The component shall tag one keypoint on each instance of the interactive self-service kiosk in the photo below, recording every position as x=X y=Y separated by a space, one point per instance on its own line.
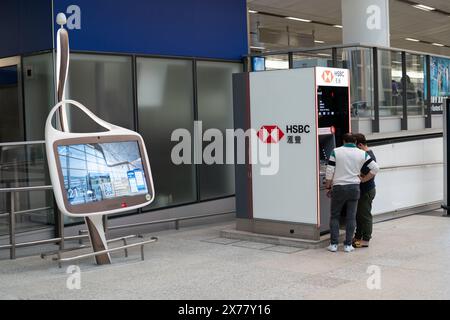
x=299 y=116
x=94 y=174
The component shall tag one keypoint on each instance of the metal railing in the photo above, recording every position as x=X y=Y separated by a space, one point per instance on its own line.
x=13 y=245
x=176 y=221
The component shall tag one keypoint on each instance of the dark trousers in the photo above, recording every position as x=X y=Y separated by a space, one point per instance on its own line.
x=347 y=195
x=364 y=220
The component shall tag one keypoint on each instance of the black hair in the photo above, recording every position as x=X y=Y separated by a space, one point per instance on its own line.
x=360 y=139
x=348 y=138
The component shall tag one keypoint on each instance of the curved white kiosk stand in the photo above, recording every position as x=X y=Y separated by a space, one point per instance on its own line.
x=94 y=174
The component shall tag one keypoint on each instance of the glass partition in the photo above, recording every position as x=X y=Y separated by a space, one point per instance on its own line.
x=277 y=62
x=320 y=58
x=360 y=63
x=25 y=166
x=165 y=103
x=415 y=81
x=39 y=93
x=215 y=110
x=11 y=119
x=104 y=84
x=390 y=83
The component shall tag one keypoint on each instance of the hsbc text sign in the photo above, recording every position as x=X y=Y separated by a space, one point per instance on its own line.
x=273 y=134
x=332 y=77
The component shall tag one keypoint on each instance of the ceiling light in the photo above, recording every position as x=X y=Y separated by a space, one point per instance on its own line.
x=411 y=39
x=438 y=44
x=319 y=41
x=324 y=54
x=423 y=7
x=298 y=19
x=257 y=48
x=252 y=11
x=338 y=26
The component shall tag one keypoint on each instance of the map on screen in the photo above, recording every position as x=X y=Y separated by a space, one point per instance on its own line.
x=100 y=171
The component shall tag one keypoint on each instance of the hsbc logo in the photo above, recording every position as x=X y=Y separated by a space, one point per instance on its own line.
x=328 y=76
x=270 y=134
x=332 y=77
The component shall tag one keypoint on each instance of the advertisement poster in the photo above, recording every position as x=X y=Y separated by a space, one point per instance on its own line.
x=440 y=87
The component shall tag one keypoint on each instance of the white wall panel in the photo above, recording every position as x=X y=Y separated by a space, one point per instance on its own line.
x=418 y=180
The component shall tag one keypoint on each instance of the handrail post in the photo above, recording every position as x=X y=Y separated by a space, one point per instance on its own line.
x=12 y=226
x=60 y=228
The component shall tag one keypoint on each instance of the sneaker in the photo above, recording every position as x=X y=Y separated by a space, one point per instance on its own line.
x=349 y=249
x=333 y=248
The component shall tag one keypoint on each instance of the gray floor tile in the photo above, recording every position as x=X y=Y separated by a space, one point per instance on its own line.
x=223 y=241
x=284 y=249
x=253 y=245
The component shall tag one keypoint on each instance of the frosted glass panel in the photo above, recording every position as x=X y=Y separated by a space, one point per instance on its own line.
x=104 y=84
x=215 y=110
x=39 y=95
x=165 y=103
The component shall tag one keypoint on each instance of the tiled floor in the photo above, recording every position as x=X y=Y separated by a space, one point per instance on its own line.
x=412 y=256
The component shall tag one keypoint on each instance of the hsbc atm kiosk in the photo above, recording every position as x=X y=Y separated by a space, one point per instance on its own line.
x=302 y=113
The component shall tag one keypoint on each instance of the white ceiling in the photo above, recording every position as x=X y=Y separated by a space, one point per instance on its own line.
x=406 y=21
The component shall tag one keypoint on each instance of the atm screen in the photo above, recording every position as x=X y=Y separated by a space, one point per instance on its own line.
x=101 y=171
x=333 y=109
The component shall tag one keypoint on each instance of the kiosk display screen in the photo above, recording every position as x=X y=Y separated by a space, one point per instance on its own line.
x=96 y=172
x=333 y=110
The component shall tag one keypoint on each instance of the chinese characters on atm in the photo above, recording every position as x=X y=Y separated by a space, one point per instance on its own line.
x=271 y=134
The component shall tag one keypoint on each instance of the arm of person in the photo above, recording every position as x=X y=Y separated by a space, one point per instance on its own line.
x=369 y=170
x=367 y=177
x=331 y=168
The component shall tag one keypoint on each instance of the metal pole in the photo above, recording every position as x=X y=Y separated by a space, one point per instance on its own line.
x=376 y=94
x=428 y=117
x=12 y=227
x=60 y=227
x=405 y=83
x=446 y=110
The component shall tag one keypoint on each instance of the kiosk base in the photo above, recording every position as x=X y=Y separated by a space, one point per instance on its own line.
x=278 y=240
x=97 y=235
x=278 y=228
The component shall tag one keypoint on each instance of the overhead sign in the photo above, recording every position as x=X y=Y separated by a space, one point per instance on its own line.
x=332 y=77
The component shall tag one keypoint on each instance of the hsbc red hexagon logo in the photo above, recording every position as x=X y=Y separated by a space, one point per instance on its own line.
x=328 y=76
x=270 y=134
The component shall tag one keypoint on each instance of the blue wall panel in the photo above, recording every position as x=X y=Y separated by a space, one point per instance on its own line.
x=25 y=26
x=200 y=28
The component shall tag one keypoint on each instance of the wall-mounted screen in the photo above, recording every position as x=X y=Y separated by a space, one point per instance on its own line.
x=94 y=172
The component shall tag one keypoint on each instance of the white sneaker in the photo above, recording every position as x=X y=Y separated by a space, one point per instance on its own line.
x=349 y=249
x=333 y=248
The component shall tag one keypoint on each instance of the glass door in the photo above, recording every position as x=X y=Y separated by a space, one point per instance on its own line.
x=11 y=107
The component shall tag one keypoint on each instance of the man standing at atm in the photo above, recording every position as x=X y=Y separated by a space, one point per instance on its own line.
x=343 y=179
x=364 y=218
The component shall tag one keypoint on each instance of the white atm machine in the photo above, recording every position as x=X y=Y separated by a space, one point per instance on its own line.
x=301 y=114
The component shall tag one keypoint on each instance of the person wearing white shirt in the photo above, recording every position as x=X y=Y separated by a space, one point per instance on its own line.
x=343 y=178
